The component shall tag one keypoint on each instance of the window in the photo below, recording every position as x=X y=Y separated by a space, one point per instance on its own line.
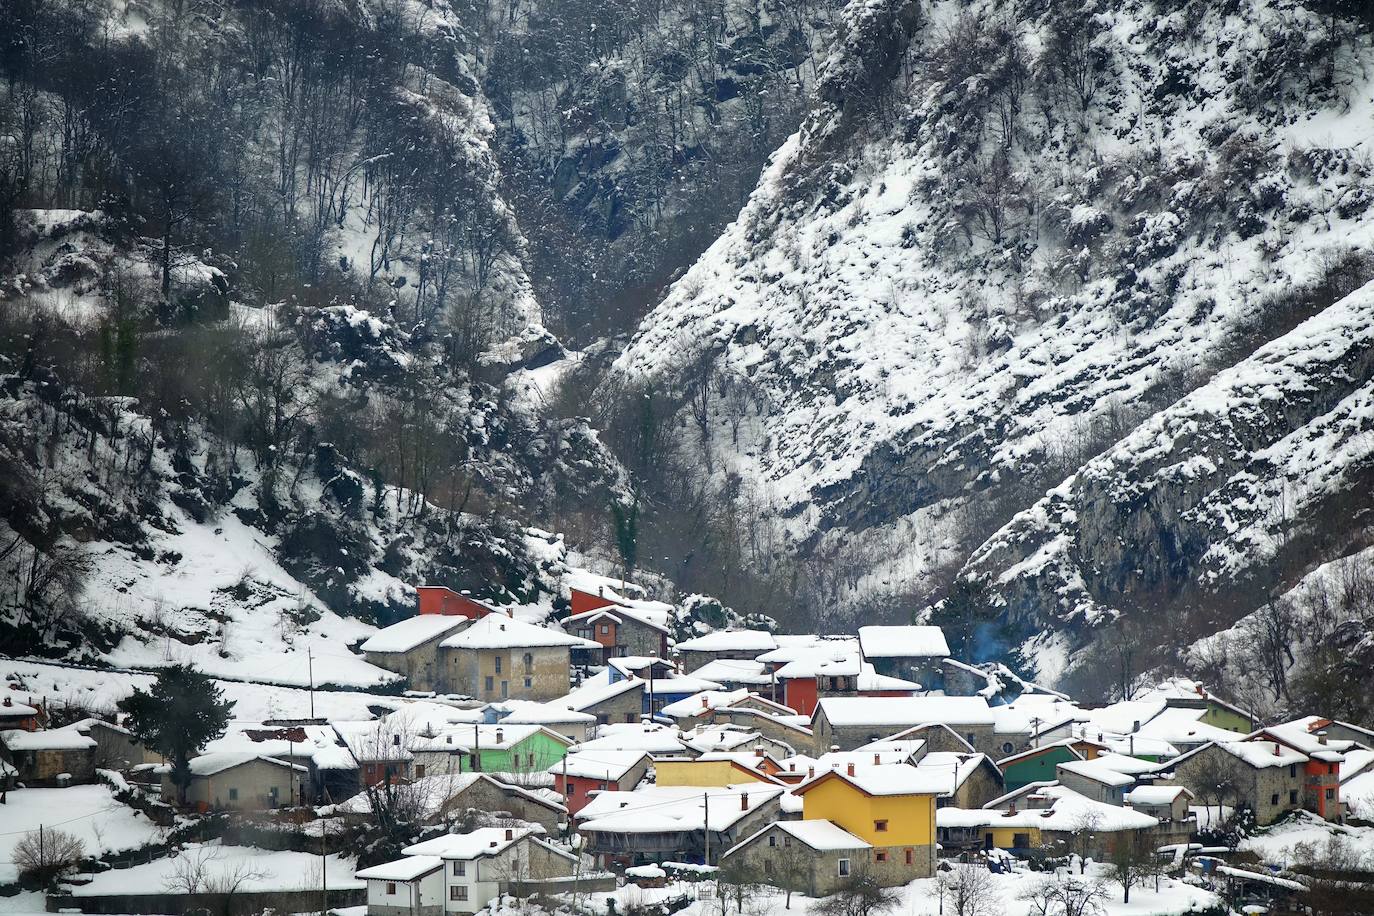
x=630 y=717
x=911 y=857
x=572 y=789
x=460 y=869
x=768 y=867
x=1008 y=747
x=787 y=842
x=498 y=664
x=605 y=629
x=419 y=771
x=391 y=888
x=458 y=892
x=1020 y=841
x=1292 y=769
x=529 y=682
x=233 y=794
x=879 y=856
x=1330 y=794
x=1274 y=799
x=969 y=737
x=529 y=662
x=880 y=826
x=1293 y=797
x=491 y=683
x=529 y=760
x=505 y=689
x=843 y=868
x=773 y=840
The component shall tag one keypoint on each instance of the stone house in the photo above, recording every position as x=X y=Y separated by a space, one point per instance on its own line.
x=618 y=702
x=498 y=658
x=115 y=746
x=736 y=644
x=410 y=648
x=435 y=799
x=674 y=823
x=238 y=782
x=936 y=738
x=1094 y=779
x=813 y=857
x=571 y=724
x=476 y=868
x=911 y=652
x=970 y=780
x=620 y=631
x=49 y=756
x=1168 y=805
x=848 y=722
x=1044 y=819
x=1264 y=776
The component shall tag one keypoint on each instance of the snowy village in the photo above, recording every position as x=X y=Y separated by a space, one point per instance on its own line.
x=593 y=765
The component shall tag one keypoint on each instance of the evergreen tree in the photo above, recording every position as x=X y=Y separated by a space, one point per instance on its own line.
x=182 y=713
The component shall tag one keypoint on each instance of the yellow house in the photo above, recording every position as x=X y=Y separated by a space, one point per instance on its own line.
x=890 y=806
x=723 y=769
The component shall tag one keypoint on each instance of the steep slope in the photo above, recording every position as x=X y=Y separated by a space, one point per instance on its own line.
x=1004 y=236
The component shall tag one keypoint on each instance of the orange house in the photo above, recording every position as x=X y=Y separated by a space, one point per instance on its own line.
x=436 y=599
x=800 y=694
x=18 y=715
x=582 y=602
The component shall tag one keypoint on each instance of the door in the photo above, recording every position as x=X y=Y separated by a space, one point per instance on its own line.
x=505 y=689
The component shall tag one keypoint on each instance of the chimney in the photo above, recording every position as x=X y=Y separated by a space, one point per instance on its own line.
x=743 y=802
x=850 y=769
x=510 y=834
x=1276 y=749
x=1011 y=809
x=1135 y=726
x=8 y=701
x=1321 y=737
x=492 y=844
x=396 y=740
x=503 y=627
x=810 y=772
x=877 y=758
x=448 y=739
x=704 y=702
x=792 y=767
x=499 y=735
x=834 y=748
x=758 y=750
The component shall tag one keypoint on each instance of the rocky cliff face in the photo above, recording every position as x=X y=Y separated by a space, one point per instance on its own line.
x=1032 y=231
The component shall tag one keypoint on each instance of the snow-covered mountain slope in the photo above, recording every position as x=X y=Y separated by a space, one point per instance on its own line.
x=1214 y=500
x=1003 y=238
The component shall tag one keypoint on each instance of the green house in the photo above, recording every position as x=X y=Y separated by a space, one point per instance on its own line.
x=1036 y=765
x=514 y=749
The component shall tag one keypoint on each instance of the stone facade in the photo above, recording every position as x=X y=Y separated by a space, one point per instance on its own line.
x=250 y=786
x=1270 y=792
x=847 y=737
x=625 y=706
x=528 y=673
x=776 y=857
x=420 y=665
x=490 y=797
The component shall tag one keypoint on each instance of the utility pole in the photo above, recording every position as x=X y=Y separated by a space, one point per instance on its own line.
x=706 y=823
x=324 y=870
x=310 y=668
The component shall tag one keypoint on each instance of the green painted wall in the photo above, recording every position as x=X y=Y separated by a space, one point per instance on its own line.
x=535 y=754
x=1039 y=768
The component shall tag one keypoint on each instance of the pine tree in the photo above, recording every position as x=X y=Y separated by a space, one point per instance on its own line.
x=182 y=713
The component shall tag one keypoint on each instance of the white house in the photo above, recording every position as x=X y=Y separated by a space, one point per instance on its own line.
x=474 y=868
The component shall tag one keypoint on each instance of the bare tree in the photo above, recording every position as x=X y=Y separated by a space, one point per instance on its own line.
x=1133 y=860
x=1066 y=896
x=862 y=895
x=969 y=890
x=47 y=855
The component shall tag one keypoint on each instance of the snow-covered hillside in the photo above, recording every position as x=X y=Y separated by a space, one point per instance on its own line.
x=1001 y=241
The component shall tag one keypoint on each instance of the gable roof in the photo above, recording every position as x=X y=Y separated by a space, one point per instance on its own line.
x=406 y=868
x=609 y=765
x=820 y=835
x=412 y=632
x=475 y=844
x=1099 y=773
x=903 y=642
x=884 y=779
x=617 y=612
x=1066 y=745
x=51 y=739
x=730 y=641
x=496 y=631
x=210 y=764
x=1256 y=754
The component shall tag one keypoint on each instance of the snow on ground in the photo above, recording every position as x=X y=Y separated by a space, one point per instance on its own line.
x=99 y=690
x=1276 y=844
x=919 y=898
x=259 y=869
x=89 y=813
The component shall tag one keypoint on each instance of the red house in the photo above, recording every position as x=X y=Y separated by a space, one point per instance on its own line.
x=581 y=774
x=619 y=628
x=436 y=599
x=18 y=715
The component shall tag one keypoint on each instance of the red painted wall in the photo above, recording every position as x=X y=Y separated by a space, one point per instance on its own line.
x=576 y=790
x=800 y=694
x=582 y=602
x=436 y=599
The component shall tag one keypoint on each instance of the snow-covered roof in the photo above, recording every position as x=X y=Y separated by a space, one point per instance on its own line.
x=703 y=702
x=55 y=739
x=730 y=641
x=820 y=835
x=885 y=779
x=1356 y=761
x=595 y=764
x=1155 y=795
x=431 y=793
x=1097 y=772
x=617 y=612
x=320 y=743
x=793 y=648
x=1258 y=754
x=734 y=671
x=530 y=712
x=496 y=631
x=1181 y=725
x=465 y=738
x=16 y=710
x=667 y=809
x=952 y=767
x=1306 y=735
x=1122 y=763
x=411 y=632
x=1065 y=810
x=483 y=841
x=372 y=740
x=210 y=764
x=1067 y=744
x=407 y=868
x=633 y=736
x=595 y=690
x=903 y=642
x=905 y=711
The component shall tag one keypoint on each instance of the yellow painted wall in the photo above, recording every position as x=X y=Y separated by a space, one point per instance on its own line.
x=910 y=818
x=701 y=773
x=1005 y=837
